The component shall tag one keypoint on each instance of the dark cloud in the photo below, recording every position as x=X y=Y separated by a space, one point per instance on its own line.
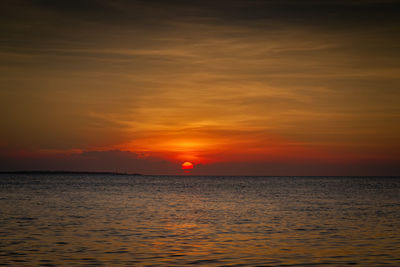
x=109 y=161
x=66 y=24
x=75 y=6
x=338 y=11
x=298 y=169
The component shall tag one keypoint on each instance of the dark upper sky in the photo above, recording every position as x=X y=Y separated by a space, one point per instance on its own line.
x=37 y=22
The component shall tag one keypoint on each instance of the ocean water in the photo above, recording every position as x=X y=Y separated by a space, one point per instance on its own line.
x=122 y=220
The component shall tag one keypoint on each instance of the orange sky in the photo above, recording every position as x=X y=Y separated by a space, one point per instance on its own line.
x=307 y=86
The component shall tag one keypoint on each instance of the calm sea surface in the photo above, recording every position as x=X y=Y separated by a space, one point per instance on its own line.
x=83 y=220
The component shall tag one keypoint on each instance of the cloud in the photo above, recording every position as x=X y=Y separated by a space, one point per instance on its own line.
x=98 y=161
x=297 y=169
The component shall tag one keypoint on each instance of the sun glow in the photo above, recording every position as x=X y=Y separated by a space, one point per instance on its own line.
x=175 y=148
x=186 y=145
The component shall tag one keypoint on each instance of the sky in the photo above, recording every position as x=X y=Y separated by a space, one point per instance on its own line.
x=240 y=87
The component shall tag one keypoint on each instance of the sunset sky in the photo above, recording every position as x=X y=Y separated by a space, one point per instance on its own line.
x=236 y=87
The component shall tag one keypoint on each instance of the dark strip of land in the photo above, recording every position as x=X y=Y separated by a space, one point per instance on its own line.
x=68 y=172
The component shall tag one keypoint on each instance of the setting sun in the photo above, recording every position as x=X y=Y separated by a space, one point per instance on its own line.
x=187 y=165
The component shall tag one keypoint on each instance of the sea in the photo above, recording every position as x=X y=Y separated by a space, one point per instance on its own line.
x=134 y=220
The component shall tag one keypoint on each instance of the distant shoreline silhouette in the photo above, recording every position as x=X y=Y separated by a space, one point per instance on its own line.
x=68 y=172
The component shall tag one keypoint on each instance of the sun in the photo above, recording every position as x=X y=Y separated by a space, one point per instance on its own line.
x=187 y=165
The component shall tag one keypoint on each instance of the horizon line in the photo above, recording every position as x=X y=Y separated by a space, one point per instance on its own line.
x=184 y=175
